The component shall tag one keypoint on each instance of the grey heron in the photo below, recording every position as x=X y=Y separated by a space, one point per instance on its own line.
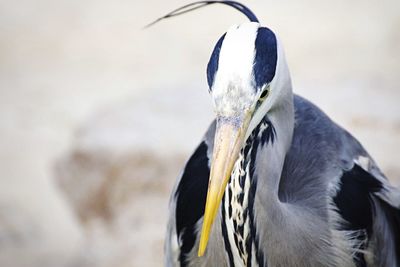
x=275 y=182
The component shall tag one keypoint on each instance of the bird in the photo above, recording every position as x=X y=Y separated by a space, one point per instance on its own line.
x=274 y=181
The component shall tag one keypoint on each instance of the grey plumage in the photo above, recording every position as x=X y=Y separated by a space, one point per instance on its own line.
x=319 y=154
x=301 y=190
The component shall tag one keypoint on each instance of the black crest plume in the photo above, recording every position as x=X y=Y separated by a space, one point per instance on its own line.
x=199 y=4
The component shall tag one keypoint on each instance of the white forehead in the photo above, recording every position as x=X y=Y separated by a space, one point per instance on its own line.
x=234 y=75
x=237 y=52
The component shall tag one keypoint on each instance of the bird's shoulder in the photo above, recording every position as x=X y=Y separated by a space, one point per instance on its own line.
x=322 y=151
x=188 y=199
x=326 y=160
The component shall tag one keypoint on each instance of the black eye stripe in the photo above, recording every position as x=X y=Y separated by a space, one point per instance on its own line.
x=265 y=57
x=212 y=66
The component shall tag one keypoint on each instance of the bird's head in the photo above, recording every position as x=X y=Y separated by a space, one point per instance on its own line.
x=245 y=82
x=241 y=74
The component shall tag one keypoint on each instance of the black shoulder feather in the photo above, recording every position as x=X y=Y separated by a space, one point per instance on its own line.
x=191 y=197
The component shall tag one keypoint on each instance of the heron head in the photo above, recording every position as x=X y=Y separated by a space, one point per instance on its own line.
x=241 y=76
x=241 y=72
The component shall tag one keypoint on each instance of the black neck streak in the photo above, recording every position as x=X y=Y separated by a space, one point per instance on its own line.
x=238 y=215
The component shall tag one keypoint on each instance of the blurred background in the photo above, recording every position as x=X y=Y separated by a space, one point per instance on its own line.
x=97 y=116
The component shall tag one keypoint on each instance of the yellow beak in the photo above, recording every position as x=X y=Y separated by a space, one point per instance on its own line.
x=229 y=138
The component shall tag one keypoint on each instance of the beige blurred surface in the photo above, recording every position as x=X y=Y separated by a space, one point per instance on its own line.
x=97 y=116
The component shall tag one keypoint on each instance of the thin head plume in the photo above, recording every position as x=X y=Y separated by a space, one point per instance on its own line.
x=199 y=4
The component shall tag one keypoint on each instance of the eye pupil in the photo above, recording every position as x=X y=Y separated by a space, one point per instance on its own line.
x=264 y=94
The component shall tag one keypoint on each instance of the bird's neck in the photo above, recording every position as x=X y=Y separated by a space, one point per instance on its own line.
x=262 y=157
x=271 y=156
x=260 y=164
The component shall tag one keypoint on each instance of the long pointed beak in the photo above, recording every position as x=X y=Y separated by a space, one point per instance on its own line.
x=229 y=138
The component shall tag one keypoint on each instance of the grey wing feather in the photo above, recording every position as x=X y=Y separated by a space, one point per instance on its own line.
x=325 y=156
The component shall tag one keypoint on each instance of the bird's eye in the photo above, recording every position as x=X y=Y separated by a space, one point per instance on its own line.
x=264 y=94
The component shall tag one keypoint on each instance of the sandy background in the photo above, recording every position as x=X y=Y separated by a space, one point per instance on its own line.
x=98 y=116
